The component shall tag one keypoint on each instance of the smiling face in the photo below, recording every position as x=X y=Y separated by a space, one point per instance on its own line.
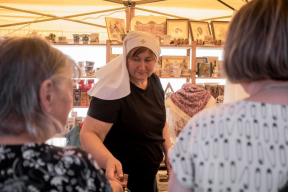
x=140 y=64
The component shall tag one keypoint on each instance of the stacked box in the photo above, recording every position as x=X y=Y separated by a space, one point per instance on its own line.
x=76 y=97
x=162 y=180
x=83 y=101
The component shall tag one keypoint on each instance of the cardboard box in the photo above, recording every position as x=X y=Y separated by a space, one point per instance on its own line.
x=79 y=120
x=71 y=123
x=162 y=180
x=76 y=97
x=83 y=101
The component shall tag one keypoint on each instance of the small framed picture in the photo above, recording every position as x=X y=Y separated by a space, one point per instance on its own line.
x=221 y=89
x=155 y=25
x=208 y=39
x=204 y=69
x=199 y=30
x=212 y=60
x=115 y=27
x=219 y=29
x=212 y=89
x=176 y=64
x=177 y=28
x=214 y=66
x=200 y=60
x=157 y=69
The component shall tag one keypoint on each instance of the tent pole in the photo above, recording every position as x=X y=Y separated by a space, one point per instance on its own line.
x=214 y=18
x=130 y=13
x=226 y=5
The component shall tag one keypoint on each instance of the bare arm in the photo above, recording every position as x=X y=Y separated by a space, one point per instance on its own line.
x=166 y=145
x=174 y=185
x=92 y=136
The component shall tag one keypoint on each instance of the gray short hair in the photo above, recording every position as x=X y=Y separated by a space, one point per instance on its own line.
x=25 y=63
x=257 y=42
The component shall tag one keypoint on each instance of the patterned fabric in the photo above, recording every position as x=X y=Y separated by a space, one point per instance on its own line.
x=241 y=146
x=190 y=98
x=41 y=167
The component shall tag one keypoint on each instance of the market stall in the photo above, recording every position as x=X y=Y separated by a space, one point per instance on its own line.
x=191 y=35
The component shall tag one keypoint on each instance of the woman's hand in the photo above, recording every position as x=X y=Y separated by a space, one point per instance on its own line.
x=114 y=170
x=167 y=163
x=166 y=146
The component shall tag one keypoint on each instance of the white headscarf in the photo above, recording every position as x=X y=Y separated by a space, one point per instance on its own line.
x=114 y=82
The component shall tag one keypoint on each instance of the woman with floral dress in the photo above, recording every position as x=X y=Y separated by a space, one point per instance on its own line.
x=35 y=99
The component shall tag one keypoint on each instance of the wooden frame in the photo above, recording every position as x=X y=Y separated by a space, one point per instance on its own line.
x=214 y=65
x=199 y=30
x=212 y=89
x=155 y=25
x=221 y=90
x=171 y=62
x=200 y=60
x=184 y=61
x=204 y=69
x=115 y=27
x=177 y=28
x=219 y=29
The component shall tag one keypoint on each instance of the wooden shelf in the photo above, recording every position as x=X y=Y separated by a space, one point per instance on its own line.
x=162 y=46
x=174 y=77
x=210 y=78
x=62 y=135
x=176 y=46
x=211 y=46
x=71 y=43
x=87 y=77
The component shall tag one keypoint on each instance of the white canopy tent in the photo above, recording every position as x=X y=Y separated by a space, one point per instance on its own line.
x=30 y=13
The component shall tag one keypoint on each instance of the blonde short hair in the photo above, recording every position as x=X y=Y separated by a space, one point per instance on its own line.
x=25 y=63
x=257 y=42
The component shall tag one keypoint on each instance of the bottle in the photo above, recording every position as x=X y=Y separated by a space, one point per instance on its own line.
x=88 y=87
x=83 y=93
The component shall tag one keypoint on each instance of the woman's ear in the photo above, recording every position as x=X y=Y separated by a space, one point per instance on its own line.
x=46 y=94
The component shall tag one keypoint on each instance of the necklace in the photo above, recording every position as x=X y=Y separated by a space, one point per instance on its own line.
x=275 y=87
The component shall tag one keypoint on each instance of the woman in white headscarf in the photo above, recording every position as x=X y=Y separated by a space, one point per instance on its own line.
x=126 y=129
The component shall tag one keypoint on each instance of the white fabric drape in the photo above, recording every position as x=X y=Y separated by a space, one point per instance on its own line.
x=114 y=82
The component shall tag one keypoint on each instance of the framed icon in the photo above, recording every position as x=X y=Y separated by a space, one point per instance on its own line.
x=199 y=30
x=219 y=29
x=115 y=27
x=177 y=28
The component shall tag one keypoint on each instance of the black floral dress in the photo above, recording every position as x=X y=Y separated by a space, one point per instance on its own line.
x=41 y=167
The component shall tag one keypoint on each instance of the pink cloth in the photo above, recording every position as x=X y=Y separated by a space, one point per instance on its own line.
x=190 y=99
